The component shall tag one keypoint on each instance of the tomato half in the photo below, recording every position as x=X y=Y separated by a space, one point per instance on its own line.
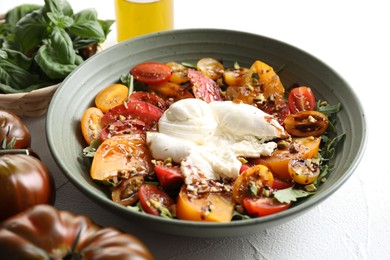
x=210 y=67
x=264 y=206
x=301 y=99
x=16 y=132
x=24 y=182
x=169 y=177
x=179 y=73
x=235 y=77
x=306 y=123
x=251 y=182
x=91 y=126
x=120 y=127
x=151 y=72
x=148 y=98
x=155 y=201
x=111 y=96
x=304 y=171
x=126 y=191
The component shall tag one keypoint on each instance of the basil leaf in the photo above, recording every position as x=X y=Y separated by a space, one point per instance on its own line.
x=86 y=25
x=16 y=58
x=58 y=6
x=30 y=30
x=15 y=14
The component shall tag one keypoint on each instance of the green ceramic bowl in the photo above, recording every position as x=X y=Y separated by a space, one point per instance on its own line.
x=78 y=90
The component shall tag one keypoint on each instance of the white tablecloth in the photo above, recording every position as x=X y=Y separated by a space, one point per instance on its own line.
x=350 y=36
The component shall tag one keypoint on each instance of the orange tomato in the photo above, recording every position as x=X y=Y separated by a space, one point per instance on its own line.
x=170 y=90
x=179 y=73
x=210 y=67
x=306 y=123
x=299 y=148
x=111 y=96
x=251 y=180
x=121 y=156
x=213 y=207
x=91 y=126
x=304 y=171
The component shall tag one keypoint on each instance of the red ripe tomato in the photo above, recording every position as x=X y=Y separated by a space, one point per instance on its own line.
x=301 y=99
x=16 y=132
x=140 y=110
x=151 y=72
x=155 y=201
x=24 y=182
x=279 y=184
x=43 y=232
x=263 y=206
x=119 y=127
x=169 y=177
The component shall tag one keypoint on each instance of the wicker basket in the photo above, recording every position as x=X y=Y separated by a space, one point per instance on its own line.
x=29 y=104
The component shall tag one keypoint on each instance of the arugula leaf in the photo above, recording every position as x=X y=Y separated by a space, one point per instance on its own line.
x=290 y=195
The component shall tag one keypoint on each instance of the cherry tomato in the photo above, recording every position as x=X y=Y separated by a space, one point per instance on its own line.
x=120 y=157
x=304 y=171
x=126 y=191
x=43 y=232
x=251 y=182
x=148 y=98
x=24 y=182
x=169 y=177
x=151 y=72
x=179 y=73
x=154 y=200
x=120 y=127
x=88 y=51
x=263 y=206
x=203 y=87
x=235 y=77
x=91 y=126
x=141 y=110
x=111 y=96
x=306 y=123
x=16 y=132
x=210 y=67
x=301 y=99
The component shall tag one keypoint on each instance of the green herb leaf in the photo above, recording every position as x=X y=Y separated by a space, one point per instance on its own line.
x=290 y=195
x=86 y=25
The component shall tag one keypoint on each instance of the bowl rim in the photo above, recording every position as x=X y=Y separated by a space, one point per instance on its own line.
x=296 y=210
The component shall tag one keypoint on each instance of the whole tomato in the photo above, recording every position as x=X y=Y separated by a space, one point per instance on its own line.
x=24 y=182
x=14 y=130
x=43 y=232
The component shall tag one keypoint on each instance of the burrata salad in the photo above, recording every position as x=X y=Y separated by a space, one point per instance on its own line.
x=207 y=141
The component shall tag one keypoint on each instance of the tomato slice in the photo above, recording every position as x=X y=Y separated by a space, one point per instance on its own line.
x=235 y=77
x=151 y=72
x=155 y=201
x=149 y=98
x=126 y=126
x=264 y=206
x=281 y=184
x=91 y=126
x=170 y=90
x=203 y=87
x=301 y=99
x=141 y=110
x=179 y=73
x=121 y=156
x=169 y=177
x=306 y=123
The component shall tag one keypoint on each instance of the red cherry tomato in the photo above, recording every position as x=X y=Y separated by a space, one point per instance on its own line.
x=151 y=72
x=126 y=126
x=301 y=99
x=169 y=177
x=154 y=200
x=263 y=206
x=279 y=184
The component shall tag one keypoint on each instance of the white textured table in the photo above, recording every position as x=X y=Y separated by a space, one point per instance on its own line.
x=350 y=36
